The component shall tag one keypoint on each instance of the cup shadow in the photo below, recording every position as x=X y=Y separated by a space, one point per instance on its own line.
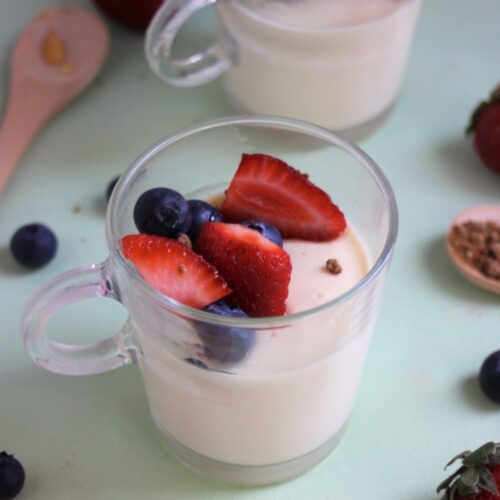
x=442 y=272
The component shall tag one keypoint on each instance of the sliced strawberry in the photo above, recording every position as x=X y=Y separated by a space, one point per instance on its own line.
x=174 y=270
x=257 y=270
x=268 y=189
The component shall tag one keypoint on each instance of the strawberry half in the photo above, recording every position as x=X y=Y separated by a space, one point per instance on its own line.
x=257 y=270
x=268 y=189
x=174 y=270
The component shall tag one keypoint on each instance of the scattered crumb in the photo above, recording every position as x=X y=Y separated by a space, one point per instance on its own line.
x=53 y=49
x=181 y=269
x=142 y=75
x=185 y=240
x=48 y=13
x=333 y=266
x=76 y=209
x=66 y=69
x=305 y=175
x=478 y=244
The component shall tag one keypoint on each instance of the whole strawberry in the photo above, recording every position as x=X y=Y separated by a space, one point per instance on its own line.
x=485 y=125
x=478 y=478
x=134 y=14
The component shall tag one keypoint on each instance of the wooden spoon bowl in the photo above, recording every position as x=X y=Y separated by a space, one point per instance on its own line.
x=54 y=59
x=480 y=213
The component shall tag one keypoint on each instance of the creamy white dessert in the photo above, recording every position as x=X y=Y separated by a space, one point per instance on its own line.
x=335 y=63
x=296 y=387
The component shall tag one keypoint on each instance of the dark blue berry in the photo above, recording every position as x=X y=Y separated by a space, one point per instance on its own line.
x=111 y=186
x=33 y=245
x=197 y=362
x=163 y=212
x=225 y=343
x=12 y=476
x=201 y=213
x=489 y=376
x=267 y=230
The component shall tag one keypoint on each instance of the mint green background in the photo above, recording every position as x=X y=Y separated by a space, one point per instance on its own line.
x=82 y=438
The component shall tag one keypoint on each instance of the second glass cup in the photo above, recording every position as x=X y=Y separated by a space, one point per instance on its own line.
x=335 y=63
x=286 y=405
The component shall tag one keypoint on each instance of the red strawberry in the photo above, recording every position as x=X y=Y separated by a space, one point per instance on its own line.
x=174 y=270
x=255 y=268
x=265 y=188
x=134 y=14
x=485 y=125
x=478 y=478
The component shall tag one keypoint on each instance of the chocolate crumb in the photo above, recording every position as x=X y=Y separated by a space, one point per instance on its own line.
x=76 y=209
x=478 y=244
x=185 y=240
x=333 y=266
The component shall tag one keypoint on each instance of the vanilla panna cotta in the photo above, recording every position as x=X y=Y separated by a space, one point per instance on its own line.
x=334 y=63
x=288 y=411
x=249 y=318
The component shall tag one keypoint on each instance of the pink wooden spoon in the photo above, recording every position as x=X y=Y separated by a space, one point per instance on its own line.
x=54 y=59
x=479 y=213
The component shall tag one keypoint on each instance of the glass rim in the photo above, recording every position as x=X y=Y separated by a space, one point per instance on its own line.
x=112 y=233
x=301 y=29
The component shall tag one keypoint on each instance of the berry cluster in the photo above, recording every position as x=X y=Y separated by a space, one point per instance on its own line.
x=233 y=262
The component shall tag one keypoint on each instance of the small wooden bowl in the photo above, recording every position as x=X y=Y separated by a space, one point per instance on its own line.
x=479 y=213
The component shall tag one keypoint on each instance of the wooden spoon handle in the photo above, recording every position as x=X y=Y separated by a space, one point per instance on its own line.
x=26 y=113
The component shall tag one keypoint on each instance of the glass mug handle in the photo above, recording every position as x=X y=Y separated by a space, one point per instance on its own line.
x=68 y=359
x=191 y=71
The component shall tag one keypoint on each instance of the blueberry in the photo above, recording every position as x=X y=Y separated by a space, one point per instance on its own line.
x=267 y=230
x=225 y=343
x=163 y=212
x=111 y=186
x=11 y=476
x=33 y=245
x=201 y=213
x=489 y=376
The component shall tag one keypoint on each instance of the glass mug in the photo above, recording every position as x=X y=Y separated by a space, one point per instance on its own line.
x=286 y=405
x=335 y=63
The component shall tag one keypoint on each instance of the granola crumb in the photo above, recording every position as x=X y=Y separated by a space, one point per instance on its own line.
x=478 y=244
x=76 y=209
x=185 y=240
x=333 y=266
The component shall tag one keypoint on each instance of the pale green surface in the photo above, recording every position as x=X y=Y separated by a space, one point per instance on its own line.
x=83 y=438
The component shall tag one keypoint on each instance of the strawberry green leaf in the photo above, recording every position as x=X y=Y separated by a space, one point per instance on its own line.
x=470 y=478
x=447 y=482
x=487 y=481
x=481 y=455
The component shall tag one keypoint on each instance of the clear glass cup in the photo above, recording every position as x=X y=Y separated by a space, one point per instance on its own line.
x=284 y=407
x=335 y=63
